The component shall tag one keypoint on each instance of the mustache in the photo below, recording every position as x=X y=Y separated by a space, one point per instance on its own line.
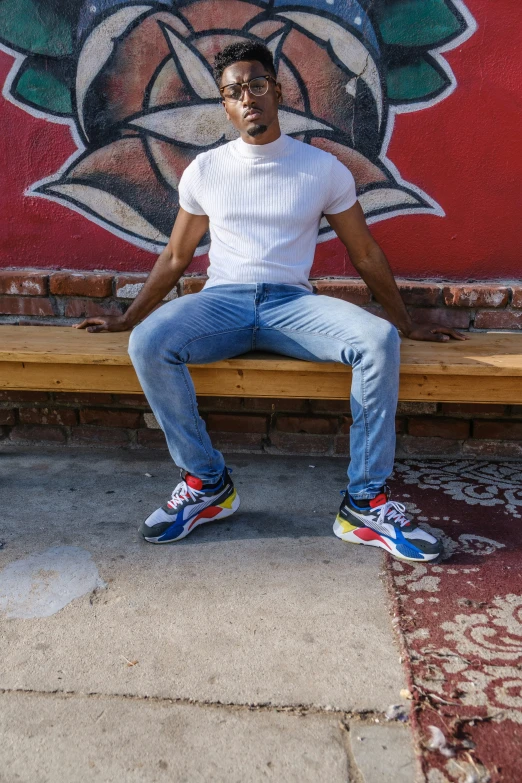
x=250 y=111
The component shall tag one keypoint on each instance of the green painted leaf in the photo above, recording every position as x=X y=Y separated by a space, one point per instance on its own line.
x=43 y=90
x=414 y=81
x=35 y=26
x=417 y=22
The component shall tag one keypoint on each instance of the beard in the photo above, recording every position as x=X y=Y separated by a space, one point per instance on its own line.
x=257 y=130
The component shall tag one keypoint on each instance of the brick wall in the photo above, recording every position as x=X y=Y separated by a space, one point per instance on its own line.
x=255 y=425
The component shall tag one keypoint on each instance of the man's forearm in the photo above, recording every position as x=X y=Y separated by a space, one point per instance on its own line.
x=164 y=275
x=376 y=273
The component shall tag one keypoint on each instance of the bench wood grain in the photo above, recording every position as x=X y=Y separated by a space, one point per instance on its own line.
x=486 y=368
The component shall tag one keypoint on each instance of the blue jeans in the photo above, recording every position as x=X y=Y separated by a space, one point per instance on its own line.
x=229 y=320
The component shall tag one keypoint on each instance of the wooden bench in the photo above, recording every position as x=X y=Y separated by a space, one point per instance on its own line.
x=485 y=369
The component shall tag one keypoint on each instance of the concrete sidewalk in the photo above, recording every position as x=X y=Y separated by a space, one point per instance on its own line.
x=259 y=648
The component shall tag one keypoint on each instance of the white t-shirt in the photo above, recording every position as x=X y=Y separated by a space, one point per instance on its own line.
x=265 y=203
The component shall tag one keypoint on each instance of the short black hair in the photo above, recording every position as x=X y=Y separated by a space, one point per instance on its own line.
x=243 y=51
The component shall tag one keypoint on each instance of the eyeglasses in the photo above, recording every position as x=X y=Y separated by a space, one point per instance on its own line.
x=257 y=86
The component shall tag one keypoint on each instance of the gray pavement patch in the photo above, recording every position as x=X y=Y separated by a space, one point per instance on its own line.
x=383 y=753
x=266 y=607
x=74 y=739
x=42 y=584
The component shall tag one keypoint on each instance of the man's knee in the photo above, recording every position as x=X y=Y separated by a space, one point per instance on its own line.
x=139 y=344
x=149 y=343
x=383 y=339
x=390 y=334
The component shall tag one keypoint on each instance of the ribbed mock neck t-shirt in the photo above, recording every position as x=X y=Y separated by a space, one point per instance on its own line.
x=265 y=203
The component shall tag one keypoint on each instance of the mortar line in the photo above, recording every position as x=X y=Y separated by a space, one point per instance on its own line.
x=366 y=716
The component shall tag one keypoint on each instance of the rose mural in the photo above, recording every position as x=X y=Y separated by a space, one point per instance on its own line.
x=134 y=80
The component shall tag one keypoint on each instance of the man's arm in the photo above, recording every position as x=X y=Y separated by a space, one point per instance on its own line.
x=369 y=260
x=172 y=262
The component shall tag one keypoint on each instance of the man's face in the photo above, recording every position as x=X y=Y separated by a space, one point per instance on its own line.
x=252 y=115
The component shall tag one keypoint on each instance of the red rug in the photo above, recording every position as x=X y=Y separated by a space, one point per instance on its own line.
x=460 y=622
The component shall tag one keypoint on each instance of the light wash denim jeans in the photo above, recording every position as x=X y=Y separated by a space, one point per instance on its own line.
x=229 y=320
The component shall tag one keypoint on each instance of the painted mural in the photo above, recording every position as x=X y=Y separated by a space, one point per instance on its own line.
x=134 y=82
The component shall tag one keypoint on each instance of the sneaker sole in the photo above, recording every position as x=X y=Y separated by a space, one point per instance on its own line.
x=208 y=514
x=374 y=539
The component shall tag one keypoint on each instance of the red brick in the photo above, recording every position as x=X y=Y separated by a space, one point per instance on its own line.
x=455 y=319
x=506 y=319
x=221 y=422
x=296 y=443
x=472 y=409
x=342 y=445
x=517 y=297
x=377 y=310
x=64 y=416
x=104 y=417
x=330 y=406
x=346 y=424
x=129 y=286
x=454 y=429
x=81 y=284
x=419 y=294
x=416 y=408
x=238 y=441
x=501 y=449
x=428 y=447
x=7 y=417
x=101 y=435
x=23 y=396
x=131 y=400
x=152 y=439
x=354 y=291
x=25 y=305
x=192 y=285
x=23 y=283
x=475 y=295
x=497 y=430
x=36 y=432
x=312 y=425
x=220 y=403
x=85 y=308
x=400 y=426
x=272 y=405
x=87 y=398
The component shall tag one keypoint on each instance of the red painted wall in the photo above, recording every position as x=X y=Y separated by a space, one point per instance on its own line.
x=464 y=152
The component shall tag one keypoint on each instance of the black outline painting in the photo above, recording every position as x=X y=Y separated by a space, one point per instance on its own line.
x=133 y=80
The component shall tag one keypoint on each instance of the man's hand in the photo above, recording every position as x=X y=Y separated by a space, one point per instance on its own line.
x=434 y=334
x=109 y=323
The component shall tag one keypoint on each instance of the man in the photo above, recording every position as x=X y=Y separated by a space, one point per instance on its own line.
x=263 y=197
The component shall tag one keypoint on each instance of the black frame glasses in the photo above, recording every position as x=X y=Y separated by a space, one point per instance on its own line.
x=266 y=78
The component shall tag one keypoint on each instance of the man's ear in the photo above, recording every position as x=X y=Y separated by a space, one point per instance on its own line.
x=224 y=105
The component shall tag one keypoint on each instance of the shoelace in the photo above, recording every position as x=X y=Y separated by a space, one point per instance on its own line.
x=182 y=493
x=394 y=511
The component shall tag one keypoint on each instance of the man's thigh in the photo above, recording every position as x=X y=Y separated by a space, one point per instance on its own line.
x=198 y=328
x=321 y=328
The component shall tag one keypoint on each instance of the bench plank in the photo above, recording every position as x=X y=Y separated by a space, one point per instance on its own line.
x=230 y=382
x=498 y=353
x=61 y=358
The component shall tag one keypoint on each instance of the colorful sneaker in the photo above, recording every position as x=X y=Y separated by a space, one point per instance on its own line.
x=382 y=523
x=192 y=503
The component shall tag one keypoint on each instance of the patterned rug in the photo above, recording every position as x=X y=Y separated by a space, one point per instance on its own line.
x=460 y=622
